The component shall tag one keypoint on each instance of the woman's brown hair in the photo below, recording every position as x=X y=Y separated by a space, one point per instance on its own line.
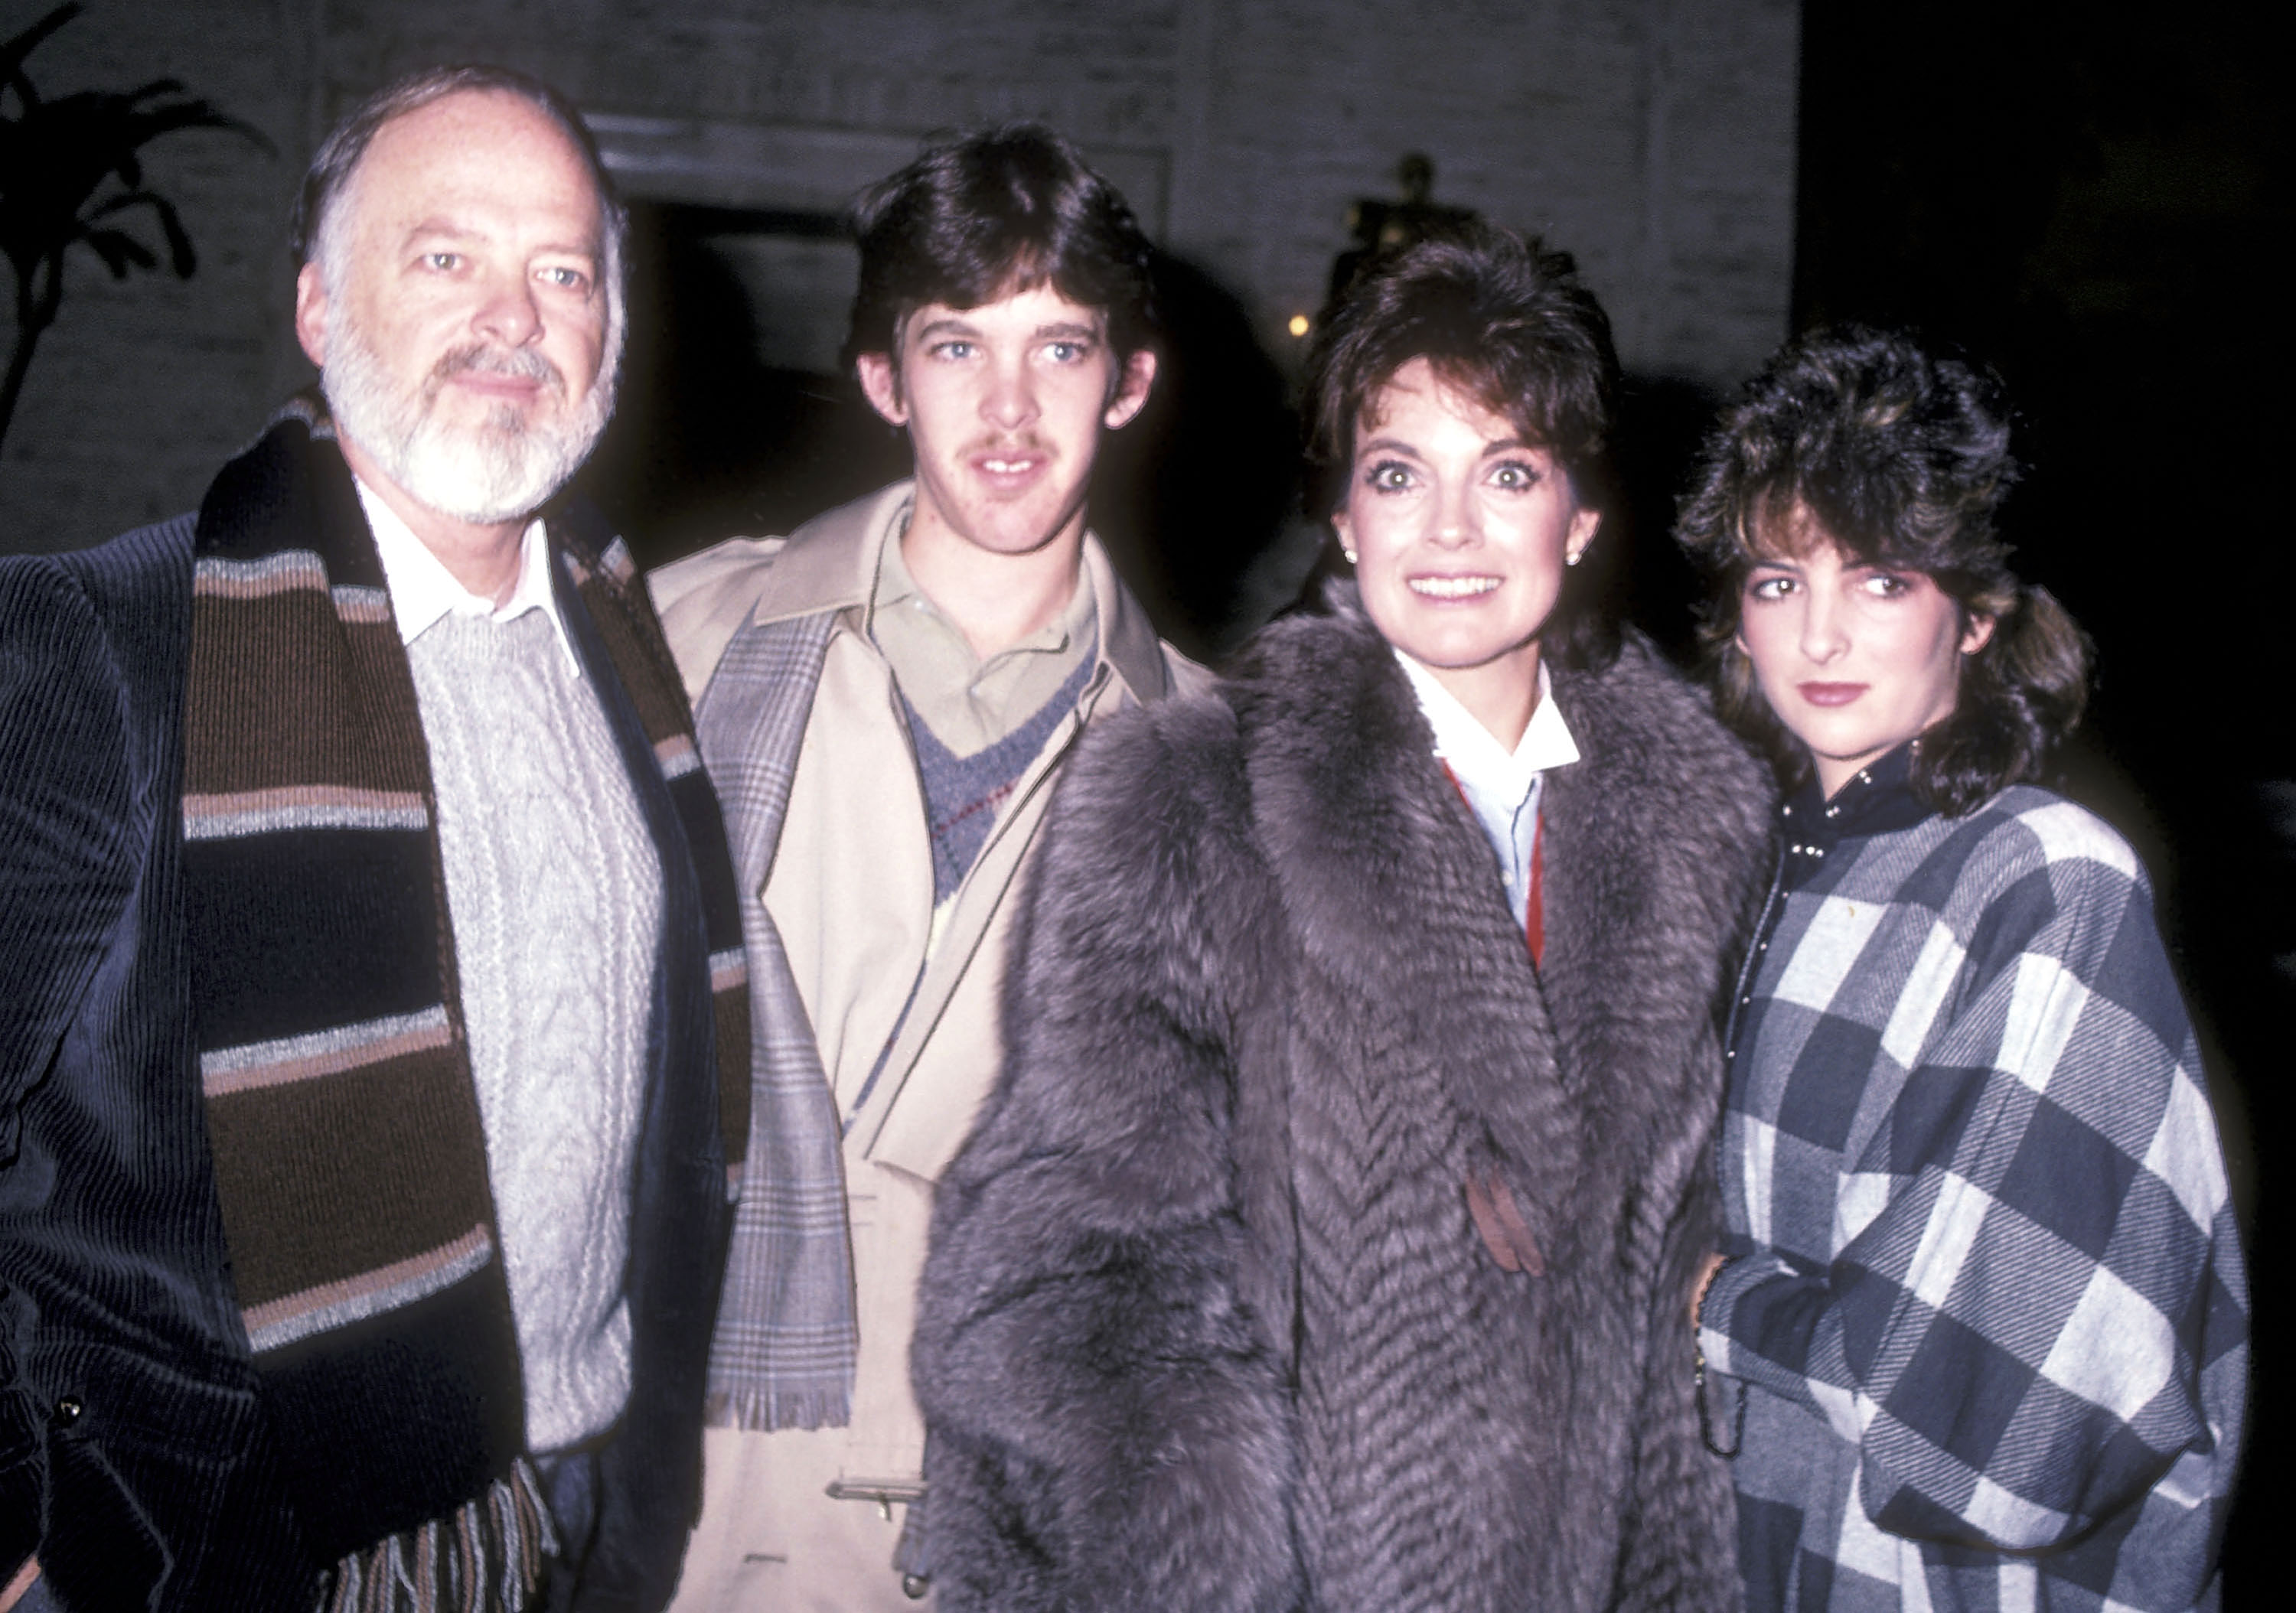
x=1901 y=458
x=1506 y=322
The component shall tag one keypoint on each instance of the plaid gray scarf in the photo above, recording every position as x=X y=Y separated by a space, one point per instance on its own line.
x=783 y=1352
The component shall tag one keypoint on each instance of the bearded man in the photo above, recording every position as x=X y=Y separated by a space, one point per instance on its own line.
x=370 y=957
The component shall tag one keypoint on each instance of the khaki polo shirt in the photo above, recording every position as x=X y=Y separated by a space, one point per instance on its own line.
x=970 y=703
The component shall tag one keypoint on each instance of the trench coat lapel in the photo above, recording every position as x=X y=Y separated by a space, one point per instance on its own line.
x=920 y=1123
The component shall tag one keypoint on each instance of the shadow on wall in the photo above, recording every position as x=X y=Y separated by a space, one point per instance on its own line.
x=1197 y=497
x=712 y=436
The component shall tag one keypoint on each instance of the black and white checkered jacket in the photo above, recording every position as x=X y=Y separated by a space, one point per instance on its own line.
x=1982 y=1338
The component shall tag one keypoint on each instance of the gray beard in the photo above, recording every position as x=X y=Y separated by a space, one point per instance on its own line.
x=500 y=472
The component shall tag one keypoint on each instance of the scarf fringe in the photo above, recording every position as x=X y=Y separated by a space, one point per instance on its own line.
x=762 y=1409
x=487 y=1556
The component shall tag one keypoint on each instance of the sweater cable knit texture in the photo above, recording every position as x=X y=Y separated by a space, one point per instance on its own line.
x=555 y=895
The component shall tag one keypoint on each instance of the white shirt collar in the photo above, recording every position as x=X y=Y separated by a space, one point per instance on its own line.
x=423 y=590
x=1476 y=759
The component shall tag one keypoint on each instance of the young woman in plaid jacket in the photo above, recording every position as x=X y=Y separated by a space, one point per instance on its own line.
x=1979 y=1336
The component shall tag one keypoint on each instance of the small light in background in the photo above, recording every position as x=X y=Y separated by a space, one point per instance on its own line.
x=1299 y=324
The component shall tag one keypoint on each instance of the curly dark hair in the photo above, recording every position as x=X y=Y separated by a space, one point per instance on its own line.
x=992 y=212
x=1504 y=320
x=1901 y=458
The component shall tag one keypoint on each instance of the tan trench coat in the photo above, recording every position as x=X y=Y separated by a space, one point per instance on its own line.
x=851 y=894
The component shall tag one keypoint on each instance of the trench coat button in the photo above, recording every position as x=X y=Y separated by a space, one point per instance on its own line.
x=68 y=1411
x=916 y=1586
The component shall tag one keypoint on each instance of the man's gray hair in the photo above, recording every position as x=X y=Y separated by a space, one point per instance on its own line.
x=317 y=210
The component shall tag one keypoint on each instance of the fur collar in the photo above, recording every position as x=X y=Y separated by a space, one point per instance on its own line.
x=1653 y=840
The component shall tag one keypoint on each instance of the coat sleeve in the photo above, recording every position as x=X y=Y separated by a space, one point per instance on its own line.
x=1105 y=1425
x=67 y=870
x=2038 y=1309
x=1677 y=1552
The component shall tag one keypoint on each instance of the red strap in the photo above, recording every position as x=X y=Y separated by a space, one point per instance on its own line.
x=1534 y=918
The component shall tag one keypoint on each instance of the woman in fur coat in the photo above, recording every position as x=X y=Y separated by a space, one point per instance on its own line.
x=1328 y=1241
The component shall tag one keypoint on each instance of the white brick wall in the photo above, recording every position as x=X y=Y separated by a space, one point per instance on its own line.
x=1654 y=138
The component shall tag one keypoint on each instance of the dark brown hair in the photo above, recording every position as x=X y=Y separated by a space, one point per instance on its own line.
x=1899 y=457
x=1506 y=323
x=994 y=212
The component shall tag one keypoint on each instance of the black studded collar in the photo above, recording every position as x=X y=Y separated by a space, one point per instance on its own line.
x=1878 y=800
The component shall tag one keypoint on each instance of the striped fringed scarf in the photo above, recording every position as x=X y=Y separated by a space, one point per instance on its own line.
x=349 y=1156
x=486 y=1556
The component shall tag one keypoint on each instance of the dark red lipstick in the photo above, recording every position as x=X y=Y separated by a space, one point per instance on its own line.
x=1829 y=694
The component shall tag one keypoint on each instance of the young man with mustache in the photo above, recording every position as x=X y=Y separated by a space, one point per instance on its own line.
x=371 y=957
x=884 y=699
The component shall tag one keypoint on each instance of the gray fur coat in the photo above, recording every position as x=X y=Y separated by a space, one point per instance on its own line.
x=1207 y=1323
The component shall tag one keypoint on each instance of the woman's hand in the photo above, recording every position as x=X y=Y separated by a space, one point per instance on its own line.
x=1714 y=1263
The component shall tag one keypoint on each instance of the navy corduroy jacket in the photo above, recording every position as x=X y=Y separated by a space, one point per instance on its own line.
x=135 y=1459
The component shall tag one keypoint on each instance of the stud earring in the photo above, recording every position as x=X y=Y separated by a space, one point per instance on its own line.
x=1572 y=559
x=1348 y=555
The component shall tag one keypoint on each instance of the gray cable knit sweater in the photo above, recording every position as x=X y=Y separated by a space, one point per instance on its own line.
x=554 y=893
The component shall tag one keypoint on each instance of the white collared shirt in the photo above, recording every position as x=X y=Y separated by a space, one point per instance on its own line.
x=1502 y=786
x=423 y=590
